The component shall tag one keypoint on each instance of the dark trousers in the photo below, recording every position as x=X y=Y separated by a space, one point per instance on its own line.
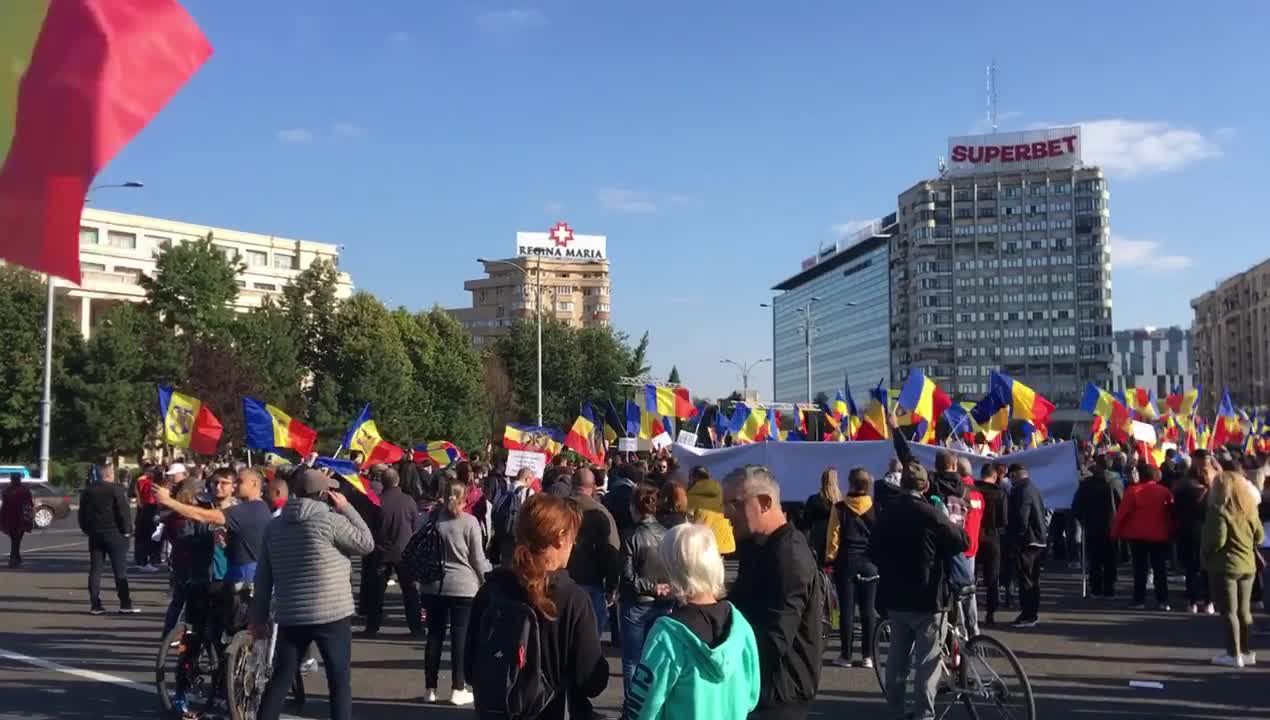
x=780 y=711
x=116 y=549
x=15 y=548
x=1101 y=557
x=1029 y=569
x=454 y=612
x=856 y=593
x=988 y=560
x=1196 y=575
x=335 y=644
x=1156 y=555
x=375 y=574
x=144 y=550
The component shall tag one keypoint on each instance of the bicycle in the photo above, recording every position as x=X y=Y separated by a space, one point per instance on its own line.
x=248 y=668
x=972 y=670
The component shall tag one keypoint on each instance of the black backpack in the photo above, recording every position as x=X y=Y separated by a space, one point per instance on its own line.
x=509 y=683
x=505 y=512
x=423 y=560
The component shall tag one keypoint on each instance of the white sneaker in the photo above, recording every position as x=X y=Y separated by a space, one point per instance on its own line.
x=1193 y=609
x=308 y=666
x=430 y=696
x=841 y=662
x=1228 y=661
x=149 y=569
x=1210 y=610
x=461 y=697
x=1249 y=658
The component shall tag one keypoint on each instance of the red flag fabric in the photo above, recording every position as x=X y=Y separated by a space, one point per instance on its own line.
x=205 y=435
x=90 y=75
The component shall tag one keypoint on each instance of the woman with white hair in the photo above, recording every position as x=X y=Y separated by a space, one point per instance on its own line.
x=701 y=660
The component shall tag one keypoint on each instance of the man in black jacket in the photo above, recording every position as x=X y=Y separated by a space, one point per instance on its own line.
x=395 y=526
x=595 y=561
x=1027 y=534
x=105 y=518
x=991 y=528
x=1094 y=506
x=911 y=546
x=779 y=590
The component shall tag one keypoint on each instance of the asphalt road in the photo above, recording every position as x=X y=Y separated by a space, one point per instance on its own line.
x=56 y=661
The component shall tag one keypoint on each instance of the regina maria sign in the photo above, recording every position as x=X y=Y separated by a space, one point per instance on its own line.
x=561 y=243
x=1048 y=149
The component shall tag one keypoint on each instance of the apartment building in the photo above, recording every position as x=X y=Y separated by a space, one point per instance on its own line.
x=1159 y=359
x=1231 y=334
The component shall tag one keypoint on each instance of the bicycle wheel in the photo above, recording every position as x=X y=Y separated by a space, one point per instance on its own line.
x=994 y=680
x=246 y=675
x=184 y=682
x=881 y=651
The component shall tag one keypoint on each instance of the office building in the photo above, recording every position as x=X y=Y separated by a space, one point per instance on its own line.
x=573 y=273
x=1158 y=359
x=116 y=249
x=843 y=292
x=1003 y=262
x=1231 y=333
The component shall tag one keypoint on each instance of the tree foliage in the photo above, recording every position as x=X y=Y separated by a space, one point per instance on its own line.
x=193 y=288
x=674 y=375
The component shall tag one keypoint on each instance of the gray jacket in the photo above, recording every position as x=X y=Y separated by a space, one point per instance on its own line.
x=304 y=567
x=465 y=561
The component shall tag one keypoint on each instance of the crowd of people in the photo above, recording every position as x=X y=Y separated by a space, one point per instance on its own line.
x=522 y=576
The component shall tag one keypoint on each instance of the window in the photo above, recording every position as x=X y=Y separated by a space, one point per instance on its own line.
x=240 y=283
x=92 y=267
x=265 y=286
x=87 y=235
x=564 y=306
x=257 y=258
x=134 y=273
x=121 y=240
x=284 y=261
x=157 y=241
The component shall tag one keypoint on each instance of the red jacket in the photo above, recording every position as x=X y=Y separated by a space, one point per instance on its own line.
x=974 y=518
x=1145 y=514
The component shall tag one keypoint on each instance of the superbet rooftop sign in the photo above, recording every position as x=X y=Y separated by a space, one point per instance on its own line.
x=1048 y=149
x=560 y=242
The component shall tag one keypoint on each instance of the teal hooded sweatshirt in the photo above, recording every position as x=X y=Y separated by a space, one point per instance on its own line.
x=681 y=678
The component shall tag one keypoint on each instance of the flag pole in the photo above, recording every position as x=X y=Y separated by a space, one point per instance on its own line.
x=46 y=400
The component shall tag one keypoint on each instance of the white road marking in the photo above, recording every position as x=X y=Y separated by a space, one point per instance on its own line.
x=52 y=547
x=88 y=674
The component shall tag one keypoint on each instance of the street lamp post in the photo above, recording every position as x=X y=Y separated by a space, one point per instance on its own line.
x=745 y=369
x=537 y=312
x=46 y=398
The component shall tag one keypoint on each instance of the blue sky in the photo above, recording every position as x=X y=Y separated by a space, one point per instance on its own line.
x=714 y=147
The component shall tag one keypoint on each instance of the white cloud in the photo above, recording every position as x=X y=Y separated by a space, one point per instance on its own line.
x=294 y=136
x=553 y=208
x=1145 y=255
x=510 y=19
x=346 y=129
x=625 y=201
x=841 y=230
x=1132 y=148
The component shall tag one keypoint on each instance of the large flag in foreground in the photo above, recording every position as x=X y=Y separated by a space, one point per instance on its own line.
x=78 y=79
x=269 y=428
x=347 y=472
x=187 y=422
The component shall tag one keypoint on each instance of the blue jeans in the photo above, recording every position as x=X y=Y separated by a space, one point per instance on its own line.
x=600 y=604
x=635 y=619
x=175 y=606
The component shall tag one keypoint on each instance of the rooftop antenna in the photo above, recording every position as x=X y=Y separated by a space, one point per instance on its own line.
x=992 y=95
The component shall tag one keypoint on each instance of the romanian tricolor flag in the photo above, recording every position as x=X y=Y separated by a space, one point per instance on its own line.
x=1105 y=405
x=774 y=425
x=581 y=439
x=748 y=424
x=1182 y=402
x=78 y=79
x=851 y=412
x=1200 y=436
x=187 y=422
x=363 y=436
x=1226 y=428
x=441 y=453
x=1024 y=402
x=1034 y=434
x=269 y=428
x=614 y=425
x=873 y=424
x=1140 y=402
x=545 y=440
x=923 y=398
x=667 y=401
x=348 y=474
x=925 y=432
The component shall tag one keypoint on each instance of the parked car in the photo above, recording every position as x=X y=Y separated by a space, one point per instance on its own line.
x=50 y=503
x=6 y=471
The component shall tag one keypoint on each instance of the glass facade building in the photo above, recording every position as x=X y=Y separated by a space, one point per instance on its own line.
x=850 y=321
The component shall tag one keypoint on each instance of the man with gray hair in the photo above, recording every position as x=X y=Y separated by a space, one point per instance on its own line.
x=779 y=590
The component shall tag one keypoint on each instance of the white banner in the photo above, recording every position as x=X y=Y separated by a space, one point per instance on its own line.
x=662 y=440
x=797 y=465
x=517 y=459
x=687 y=438
x=628 y=444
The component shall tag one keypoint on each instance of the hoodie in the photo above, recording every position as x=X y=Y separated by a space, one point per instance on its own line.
x=705 y=503
x=303 y=571
x=679 y=676
x=850 y=528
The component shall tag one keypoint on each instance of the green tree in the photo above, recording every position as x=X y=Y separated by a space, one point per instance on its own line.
x=367 y=362
x=605 y=359
x=455 y=380
x=193 y=288
x=23 y=298
x=309 y=304
x=674 y=375
x=639 y=358
x=266 y=340
x=114 y=387
x=499 y=393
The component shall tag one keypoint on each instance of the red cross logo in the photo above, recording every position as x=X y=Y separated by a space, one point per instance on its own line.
x=561 y=234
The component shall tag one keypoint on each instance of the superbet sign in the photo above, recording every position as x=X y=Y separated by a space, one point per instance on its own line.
x=1048 y=149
